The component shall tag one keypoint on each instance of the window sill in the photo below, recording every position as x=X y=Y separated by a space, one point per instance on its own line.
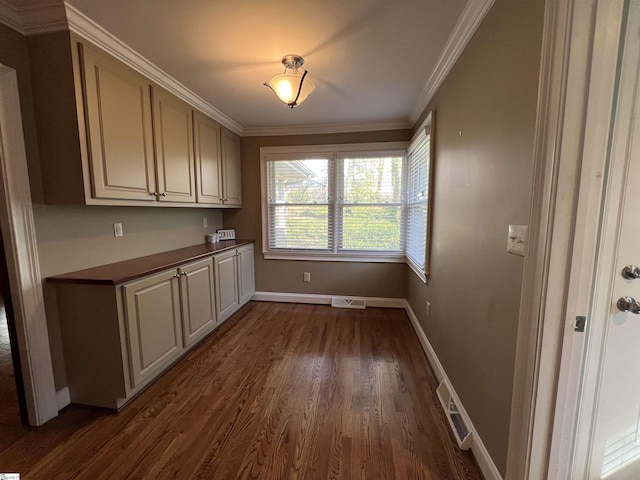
x=335 y=257
x=418 y=271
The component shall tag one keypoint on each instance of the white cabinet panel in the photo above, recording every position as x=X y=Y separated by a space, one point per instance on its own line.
x=226 y=271
x=153 y=324
x=118 y=109
x=246 y=276
x=173 y=129
x=208 y=163
x=231 y=169
x=198 y=300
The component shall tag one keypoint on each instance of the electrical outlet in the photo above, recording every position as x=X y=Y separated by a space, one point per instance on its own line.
x=117 y=230
x=205 y=222
x=517 y=239
x=306 y=277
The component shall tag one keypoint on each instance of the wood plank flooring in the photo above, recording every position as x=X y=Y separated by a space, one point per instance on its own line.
x=280 y=391
x=11 y=427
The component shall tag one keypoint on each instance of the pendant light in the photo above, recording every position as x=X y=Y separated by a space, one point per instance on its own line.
x=291 y=87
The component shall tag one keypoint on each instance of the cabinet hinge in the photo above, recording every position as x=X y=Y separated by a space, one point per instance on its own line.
x=580 y=324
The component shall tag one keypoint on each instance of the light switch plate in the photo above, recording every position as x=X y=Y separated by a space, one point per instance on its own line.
x=117 y=230
x=517 y=239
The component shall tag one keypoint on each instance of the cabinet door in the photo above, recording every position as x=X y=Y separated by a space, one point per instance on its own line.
x=152 y=307
x=246 y=279
x=198 y=300
x=226 y=284
x=118 y=110
x=231 y=169
x=173 y=133
x=208 y=164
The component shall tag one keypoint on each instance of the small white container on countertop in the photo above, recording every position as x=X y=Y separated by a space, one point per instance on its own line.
x=212 y=237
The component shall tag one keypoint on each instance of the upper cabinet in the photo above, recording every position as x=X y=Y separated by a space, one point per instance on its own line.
x=231 y=176
x=173 y=133
x=108 y=135
x=120 y=139
x=217 y=163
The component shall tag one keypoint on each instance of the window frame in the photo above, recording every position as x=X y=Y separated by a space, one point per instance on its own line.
x=337 y=152
x=427 y=127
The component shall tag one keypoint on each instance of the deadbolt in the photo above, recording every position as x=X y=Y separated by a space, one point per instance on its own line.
x=631 y=272
x=628 y=304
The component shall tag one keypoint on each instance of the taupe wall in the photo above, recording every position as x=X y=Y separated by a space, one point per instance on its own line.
x=483 y=179
x=13 y=53
x=346 y=278
x=76 y=237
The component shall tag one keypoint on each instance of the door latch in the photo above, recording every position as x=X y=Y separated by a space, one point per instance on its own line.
x=580 y=324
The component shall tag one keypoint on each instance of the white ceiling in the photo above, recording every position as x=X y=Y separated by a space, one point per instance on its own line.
x=371 y=60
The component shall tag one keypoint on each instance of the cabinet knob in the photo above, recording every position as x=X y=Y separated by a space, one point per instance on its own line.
x=163 y=194
x=177 y=275
x=154 y=194
x=184 y=274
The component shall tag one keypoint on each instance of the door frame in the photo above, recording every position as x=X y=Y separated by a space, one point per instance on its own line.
x=25 y=282
x=580 y=46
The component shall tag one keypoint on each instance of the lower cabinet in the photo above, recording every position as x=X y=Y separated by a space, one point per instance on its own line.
x=154 y=325
x=118 y=338
x=165 y=313
x=198 y=300
x=234 y=280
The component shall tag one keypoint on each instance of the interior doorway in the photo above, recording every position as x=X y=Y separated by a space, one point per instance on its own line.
x=13 y=410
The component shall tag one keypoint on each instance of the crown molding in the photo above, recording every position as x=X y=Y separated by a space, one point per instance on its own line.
x=89 y=30
x=34 y=19
x=324 y=129
x=471 y=17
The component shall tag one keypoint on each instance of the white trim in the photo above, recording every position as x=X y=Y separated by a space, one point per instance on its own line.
x=485 y=462
x=417 y=270
x=18 y=230
x=395 y=147
x=89 y=30
x=471 y=17
x=34 y=19
x=335 y=257
x=609 y=139
x=63 y=398
x=324 y=129
x=316 y=299
x=558 y=267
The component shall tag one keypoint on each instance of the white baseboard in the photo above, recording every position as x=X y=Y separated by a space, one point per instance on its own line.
x=324 y=299
x=63 y=398
x=483 y=458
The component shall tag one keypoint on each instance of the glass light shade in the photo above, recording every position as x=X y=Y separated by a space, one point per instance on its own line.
x=286 y=88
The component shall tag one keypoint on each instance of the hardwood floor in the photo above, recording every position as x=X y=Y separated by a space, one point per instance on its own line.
x=280 y=391
x=11 y=427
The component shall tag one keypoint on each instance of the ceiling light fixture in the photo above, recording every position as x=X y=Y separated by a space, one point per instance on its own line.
x=291 y=87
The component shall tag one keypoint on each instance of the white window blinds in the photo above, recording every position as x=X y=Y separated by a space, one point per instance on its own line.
x=370 y=204
x=298 y=204
x=418 y=168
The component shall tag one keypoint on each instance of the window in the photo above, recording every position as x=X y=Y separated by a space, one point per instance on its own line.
x=348 y=202
x=343 y=202
x=418 y=199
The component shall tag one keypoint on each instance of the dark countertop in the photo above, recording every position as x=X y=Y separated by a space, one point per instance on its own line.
x=121 y=272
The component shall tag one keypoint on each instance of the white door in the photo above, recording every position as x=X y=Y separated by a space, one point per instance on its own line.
x=608 y=443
